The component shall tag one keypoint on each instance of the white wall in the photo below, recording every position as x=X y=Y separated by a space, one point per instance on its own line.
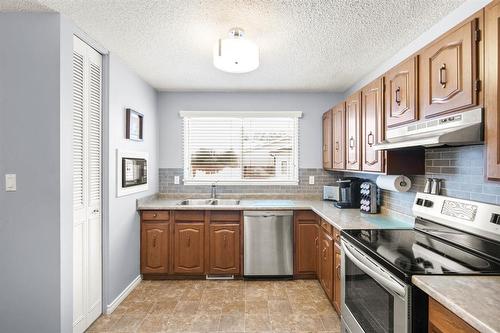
x=311 y=104
x=122 y=230
x=446 y=23
x=29 y=146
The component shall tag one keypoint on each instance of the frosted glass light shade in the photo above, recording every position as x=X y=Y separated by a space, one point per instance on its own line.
x=236 y=55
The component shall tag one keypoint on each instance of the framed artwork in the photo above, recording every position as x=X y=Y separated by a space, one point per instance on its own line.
x=135 y=122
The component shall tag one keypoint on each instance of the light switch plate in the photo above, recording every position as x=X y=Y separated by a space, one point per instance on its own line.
x=10 y=182
x=177 y=180
x=311 y=180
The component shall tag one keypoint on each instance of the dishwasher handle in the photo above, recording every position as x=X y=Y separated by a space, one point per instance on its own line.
x=267 y=213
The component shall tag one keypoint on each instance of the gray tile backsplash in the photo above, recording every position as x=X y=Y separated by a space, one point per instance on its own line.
x=462 y=171
x=460 y=168
x=321 y=178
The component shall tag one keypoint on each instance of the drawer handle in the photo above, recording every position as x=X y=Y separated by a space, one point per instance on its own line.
x=442 y=75
x=316 y=242
x=189 y=241
x=225 y=241
x=325 y=147
x=338 y=271
x=351 y=142
x=371 y=139
x=154 y=242
x=336 y=145
x=324 y=254
x=398 y=96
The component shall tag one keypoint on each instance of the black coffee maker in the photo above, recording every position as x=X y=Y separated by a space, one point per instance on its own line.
x=349 y=192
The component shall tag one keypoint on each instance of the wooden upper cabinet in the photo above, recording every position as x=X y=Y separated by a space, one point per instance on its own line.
x=189 y=248
x=338 y=124
x=401 y=89
x=224 y=249
x=155 y=247
x=306 y=243
x=492 y=89
x=327 y=140
x=449 y=71
x=353 y=131
x=372 y=126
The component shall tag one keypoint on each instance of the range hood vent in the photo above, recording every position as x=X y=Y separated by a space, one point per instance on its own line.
x=454 y=130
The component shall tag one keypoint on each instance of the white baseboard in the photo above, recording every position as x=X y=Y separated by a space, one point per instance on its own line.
x=112 y=307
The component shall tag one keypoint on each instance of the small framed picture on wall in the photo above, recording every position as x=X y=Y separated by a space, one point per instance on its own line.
x=135 y=122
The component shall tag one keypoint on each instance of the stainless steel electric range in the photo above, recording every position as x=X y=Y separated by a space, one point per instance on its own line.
x=450 y=237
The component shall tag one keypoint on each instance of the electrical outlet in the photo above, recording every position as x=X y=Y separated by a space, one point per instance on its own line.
x=10 y=183
x=311 y=180
x=177 y=180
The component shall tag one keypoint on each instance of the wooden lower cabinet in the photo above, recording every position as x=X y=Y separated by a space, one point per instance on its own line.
x=442 y=320
x=224 y=240
x=155 y=245
x=326 y=263
x=337 y=277
x=189 y=250
x=306 y=243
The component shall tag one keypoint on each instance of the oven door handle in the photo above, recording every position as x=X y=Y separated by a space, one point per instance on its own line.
x=386 y=281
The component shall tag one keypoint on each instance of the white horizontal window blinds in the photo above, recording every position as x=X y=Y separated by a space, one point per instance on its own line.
x=240 y=148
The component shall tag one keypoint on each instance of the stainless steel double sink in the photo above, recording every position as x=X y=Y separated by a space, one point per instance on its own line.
x=209 y=202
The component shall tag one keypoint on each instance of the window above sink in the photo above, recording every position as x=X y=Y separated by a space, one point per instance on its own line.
x=237 y=148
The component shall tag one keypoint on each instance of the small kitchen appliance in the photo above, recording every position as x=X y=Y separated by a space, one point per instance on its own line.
x=349 y=192
x=450 y=237
x=331 y=193
x=369 y=198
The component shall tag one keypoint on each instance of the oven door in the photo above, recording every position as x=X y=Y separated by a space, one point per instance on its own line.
x=373 y=300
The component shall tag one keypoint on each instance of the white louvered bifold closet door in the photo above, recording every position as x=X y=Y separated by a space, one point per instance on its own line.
x=87 y=115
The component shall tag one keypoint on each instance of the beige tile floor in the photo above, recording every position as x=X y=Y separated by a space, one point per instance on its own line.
x=223 y=306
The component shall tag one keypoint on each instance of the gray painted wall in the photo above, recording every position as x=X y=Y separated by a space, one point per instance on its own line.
x=121 y=248
x=446 y=23
x=30 y=98
x=311 y=104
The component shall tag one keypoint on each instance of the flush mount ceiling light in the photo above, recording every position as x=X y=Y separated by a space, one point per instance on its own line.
x=236 y=54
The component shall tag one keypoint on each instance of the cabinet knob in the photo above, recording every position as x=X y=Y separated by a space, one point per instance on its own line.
x=398 y=96
x=155 y=215
x=370 y=139
x=351 y=142
x=442 y=75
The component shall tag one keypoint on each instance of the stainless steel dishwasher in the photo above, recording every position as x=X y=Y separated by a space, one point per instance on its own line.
x=268 y=243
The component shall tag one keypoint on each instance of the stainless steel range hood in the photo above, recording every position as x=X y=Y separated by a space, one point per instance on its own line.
x=454 y=130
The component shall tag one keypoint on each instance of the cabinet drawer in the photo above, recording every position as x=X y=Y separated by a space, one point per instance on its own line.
x=327 y=227
x=306 y=215
x=155 y=215
x=225 y=216
x=189 y=216
x=336 y=235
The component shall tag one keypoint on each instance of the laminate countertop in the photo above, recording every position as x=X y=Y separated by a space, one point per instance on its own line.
x=475 y=299
x=339 y=218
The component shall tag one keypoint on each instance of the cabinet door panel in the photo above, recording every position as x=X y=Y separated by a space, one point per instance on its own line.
x=326 y=264
x=189 y=248
x=372 y=125
x=353 y=132
x=338 y=120
x=401 y=94
x=155 y=247
x=337 y=260
x=448 y=72
x=327 y=140
x=306 y=241
x=492 y=90
x=224 y=249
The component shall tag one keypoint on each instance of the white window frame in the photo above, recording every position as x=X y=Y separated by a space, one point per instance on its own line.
x=243 y=114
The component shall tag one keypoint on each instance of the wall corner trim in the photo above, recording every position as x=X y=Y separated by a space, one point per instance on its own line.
x=112 y=307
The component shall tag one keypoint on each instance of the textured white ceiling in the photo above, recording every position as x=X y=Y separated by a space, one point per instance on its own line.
x=322 y=45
